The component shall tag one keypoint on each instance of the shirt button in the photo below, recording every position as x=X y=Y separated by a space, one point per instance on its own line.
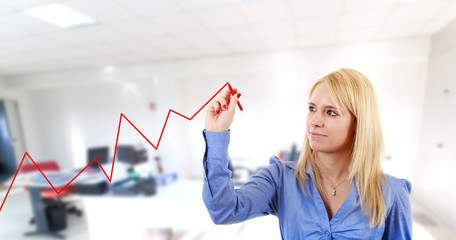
x=327 y=233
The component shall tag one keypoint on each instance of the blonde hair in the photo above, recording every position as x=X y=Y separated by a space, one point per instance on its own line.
x=353 y=90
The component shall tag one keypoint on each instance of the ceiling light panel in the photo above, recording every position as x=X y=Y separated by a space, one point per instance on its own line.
x=25 y=23
x=104 y=11
x=23 y=4
x=60 y=15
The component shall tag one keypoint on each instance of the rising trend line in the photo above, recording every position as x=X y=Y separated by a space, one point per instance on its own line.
x=115 y=148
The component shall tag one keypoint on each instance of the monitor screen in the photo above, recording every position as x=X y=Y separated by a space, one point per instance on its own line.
x=101 y=153
x=126 y=154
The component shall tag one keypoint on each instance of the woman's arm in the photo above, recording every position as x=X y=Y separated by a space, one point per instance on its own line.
x=224 y=203
x=228 y=205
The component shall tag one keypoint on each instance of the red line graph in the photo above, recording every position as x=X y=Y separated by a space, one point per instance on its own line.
x=122 y=116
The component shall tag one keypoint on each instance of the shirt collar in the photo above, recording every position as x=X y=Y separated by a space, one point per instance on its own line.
x=292 y=165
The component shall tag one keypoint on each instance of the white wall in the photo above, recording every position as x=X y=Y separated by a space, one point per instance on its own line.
x=435 y=170
x=77 y=109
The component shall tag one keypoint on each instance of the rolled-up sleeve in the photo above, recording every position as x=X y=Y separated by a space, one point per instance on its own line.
x=225 y=204
x=398 y=224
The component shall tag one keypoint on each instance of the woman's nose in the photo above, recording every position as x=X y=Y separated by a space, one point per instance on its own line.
x=316 y=121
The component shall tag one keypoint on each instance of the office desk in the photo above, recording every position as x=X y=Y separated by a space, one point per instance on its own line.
x=36 y=182
x=178 y=205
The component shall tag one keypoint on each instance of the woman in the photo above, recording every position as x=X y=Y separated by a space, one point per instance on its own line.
x=336 y=190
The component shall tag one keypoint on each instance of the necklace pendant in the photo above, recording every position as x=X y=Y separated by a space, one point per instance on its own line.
x=334 y=192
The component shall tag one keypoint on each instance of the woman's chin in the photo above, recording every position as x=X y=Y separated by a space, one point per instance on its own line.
x=321 y=148
x=316 y=148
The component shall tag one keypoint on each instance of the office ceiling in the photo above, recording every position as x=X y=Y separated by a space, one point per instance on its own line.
x=132 y=31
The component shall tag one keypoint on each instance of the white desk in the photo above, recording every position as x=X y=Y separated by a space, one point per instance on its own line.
x=178 y=205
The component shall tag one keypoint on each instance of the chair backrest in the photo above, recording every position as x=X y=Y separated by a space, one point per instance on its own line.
x=51 y=165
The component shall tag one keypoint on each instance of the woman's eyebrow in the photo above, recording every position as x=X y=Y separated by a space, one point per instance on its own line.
x=325 y=106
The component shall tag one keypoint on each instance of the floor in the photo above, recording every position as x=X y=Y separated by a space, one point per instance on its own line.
x=14 y=222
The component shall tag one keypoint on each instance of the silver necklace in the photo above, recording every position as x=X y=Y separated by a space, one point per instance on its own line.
x=334 y=188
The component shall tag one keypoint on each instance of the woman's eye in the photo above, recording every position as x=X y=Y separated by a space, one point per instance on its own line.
x=331 y=113
x=312 y=109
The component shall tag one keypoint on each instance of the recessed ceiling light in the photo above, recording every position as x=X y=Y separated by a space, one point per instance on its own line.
x=60 y=15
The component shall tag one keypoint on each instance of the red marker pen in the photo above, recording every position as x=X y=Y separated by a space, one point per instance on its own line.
x=232 y=93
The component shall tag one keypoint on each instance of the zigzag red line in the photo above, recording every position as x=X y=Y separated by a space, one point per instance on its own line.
x=115 y=149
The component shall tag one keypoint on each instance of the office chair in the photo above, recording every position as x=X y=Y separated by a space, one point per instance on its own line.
x=49 y=195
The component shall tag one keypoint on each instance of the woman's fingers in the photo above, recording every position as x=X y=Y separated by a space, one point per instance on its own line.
x=227 y=96
x=215 y=106
x=221 y=111
x=223 y=101
x=233 y=102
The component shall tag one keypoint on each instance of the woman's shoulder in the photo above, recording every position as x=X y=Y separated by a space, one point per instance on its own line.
x=398 y=183
x=277 y=169
x=396 y=188
x=283 y=165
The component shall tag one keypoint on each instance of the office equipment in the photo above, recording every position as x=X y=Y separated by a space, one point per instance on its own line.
x=165 y=178
x=93 y=186
x=101 y=154
x=134 y=186
x=131 y=156
x=128 y=154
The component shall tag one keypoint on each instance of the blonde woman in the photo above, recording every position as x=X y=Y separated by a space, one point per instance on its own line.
x=336 y=190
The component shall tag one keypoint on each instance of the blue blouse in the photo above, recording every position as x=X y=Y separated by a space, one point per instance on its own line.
x=275 y=190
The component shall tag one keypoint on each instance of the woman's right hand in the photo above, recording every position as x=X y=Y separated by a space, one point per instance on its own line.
x=220 y=112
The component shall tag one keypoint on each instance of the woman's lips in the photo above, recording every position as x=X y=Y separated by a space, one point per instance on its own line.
x=316 y=135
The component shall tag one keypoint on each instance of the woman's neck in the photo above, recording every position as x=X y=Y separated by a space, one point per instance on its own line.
x=336 y=164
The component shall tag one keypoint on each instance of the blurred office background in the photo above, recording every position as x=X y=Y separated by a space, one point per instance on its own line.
x=64 y=88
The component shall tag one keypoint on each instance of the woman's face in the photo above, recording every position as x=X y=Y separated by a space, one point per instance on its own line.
x=328 y=129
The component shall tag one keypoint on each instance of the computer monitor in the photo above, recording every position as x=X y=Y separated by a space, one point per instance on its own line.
x=128 y=154
x=101 y=153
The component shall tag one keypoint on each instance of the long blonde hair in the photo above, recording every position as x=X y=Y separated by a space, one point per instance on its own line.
x=354 y=90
